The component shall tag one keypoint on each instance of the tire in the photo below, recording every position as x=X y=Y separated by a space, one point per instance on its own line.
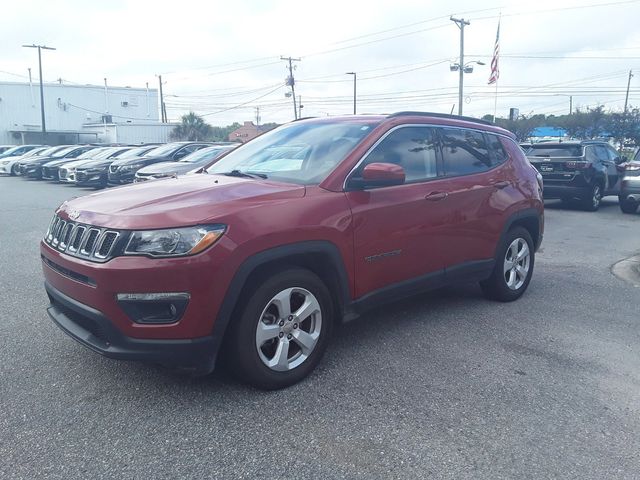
x=14 y=170
x=507 y=283
x=627 y=206
x=265 y=343
x=591 y=203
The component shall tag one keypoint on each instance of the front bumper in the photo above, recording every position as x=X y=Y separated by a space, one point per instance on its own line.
x=94 y=330
x=88 y=178
x=121 y=178
x=50 y=173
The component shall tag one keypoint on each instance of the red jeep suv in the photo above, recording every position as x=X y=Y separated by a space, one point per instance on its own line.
x=304 y=227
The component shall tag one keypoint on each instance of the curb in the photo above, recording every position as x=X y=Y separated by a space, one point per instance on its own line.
x=628 y=270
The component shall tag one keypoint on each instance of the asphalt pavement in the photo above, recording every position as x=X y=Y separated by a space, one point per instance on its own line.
x=446 y=385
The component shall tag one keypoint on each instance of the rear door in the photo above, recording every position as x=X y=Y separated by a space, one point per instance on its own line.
x=479 y=177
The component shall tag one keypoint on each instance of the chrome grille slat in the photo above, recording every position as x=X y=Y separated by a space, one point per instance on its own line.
x=81 y=240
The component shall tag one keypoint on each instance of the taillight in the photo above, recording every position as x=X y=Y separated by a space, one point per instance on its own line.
x=577 y=165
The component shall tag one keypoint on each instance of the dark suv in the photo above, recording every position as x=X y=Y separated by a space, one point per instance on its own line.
x=304 y=227
x=586 y=170
x=124 y=171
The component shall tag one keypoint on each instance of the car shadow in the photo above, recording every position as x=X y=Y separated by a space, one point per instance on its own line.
x=606 y=202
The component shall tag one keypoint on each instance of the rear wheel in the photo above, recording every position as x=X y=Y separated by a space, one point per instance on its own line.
x=627 y=206
x=591 y=202
x=282 y=331
x=513 y=269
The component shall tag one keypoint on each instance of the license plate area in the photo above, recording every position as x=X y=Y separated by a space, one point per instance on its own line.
x=546 y=168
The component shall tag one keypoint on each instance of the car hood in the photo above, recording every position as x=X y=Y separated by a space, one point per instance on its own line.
x=141 y=160
x=169 y=167
x=175 y=202
x=58 y=162
x=73 y=163
x=38 y=160
x=97 y=163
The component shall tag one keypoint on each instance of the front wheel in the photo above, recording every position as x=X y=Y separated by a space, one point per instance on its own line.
x=283 y=330
x=513 y=269
x=14 y=170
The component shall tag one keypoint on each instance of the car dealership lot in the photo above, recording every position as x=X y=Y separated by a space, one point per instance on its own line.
x=446 y=385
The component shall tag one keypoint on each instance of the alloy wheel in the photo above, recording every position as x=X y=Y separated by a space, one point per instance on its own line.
x=517 y=261
x=596 y=196
x=288 y=329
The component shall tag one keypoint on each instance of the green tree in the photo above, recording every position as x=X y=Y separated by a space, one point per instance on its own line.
x=192 y=127
x=584 y=124
x=522 y=127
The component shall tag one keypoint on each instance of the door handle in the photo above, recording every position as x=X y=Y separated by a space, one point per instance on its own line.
x=436 y=196
x=501 y=185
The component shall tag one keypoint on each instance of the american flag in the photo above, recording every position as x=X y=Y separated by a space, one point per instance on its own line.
x=495 y=70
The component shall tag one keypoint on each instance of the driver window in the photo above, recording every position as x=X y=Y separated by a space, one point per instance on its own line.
x=412 y=148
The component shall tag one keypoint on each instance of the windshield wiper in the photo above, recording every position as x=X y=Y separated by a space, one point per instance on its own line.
x=238 y=173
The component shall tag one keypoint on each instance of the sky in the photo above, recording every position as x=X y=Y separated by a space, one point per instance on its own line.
x=222 y=59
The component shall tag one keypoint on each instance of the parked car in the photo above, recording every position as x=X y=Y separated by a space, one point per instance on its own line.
x=123 y=171
x=630 y=189
x=198 y=159
x=9 y=165
x=586 y=170
x=32 y=167
x=95 y=173
x=307 y=225
x=4 y=148
x=50 y=170
x=17 y=150
x=68 y=171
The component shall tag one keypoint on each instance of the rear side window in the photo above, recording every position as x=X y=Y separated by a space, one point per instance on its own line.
x=464 y=151
x=413 y=148
x=499 y=155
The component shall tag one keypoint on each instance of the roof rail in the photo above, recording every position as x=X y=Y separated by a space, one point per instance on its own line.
x=439 y=115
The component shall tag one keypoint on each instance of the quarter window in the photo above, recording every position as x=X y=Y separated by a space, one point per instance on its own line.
x=499 y=155
x=412 y=148
x=464 y=151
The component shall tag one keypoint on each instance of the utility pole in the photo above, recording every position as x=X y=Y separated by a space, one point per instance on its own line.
x=41 y=47
x=626 y=98
x=354 y=90
x=257 y=116
x=163 y=114
x=570 y=104
x=291 y=83
x=300 y=106
x=106 y=98
x=461 y=23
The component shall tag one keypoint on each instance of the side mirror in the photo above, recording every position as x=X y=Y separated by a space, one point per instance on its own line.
x=379 y=175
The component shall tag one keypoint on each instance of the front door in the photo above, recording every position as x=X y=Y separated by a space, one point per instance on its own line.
x=397 y=229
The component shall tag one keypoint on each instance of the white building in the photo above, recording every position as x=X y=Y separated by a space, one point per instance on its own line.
x=79 y=113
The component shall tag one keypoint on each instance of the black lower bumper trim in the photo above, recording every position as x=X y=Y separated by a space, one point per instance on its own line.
x=92 y=329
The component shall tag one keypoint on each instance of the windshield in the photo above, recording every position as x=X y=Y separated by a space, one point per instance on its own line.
x=164 y=149
x=134 y=153
x=555 y=151
x=204 y=155
x=35 y=152
x=50 y=151
x=63 y=152
x=302 y=153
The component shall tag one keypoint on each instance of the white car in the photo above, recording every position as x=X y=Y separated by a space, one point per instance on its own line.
x=9 y=165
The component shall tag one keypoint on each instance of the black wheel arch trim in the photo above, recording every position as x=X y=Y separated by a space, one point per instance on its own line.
x=525 y=214
x=252 y=263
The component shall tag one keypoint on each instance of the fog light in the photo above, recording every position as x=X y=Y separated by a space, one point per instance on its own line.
x=154 y=308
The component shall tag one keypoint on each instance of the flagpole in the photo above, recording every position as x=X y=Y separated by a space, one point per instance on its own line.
x=496 y=54
x=495 y=103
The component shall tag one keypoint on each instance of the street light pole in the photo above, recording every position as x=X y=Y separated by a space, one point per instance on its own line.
x=41 y=47
x=461 y=23
x=354 y=89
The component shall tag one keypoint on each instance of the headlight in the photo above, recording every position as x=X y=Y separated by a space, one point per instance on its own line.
x=4 y=162
x=174 y=241
x=126 y=168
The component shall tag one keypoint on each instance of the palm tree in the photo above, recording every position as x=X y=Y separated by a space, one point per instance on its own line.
x=192 y=127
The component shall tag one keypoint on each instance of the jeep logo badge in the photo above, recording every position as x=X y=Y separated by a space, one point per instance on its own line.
x=74 y=215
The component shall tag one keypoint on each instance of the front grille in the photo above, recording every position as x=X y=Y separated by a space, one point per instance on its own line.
x=63 y=172
x=81 y=176
x=83 y=241
x=46 y=172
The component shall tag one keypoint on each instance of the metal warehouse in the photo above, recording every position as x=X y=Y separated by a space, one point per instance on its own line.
x=79 y=113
